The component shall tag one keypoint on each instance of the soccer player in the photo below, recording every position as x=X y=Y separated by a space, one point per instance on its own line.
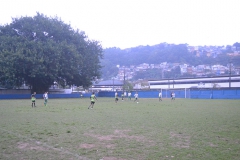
x=160 y=96
x=129 y=95
x=92 y=98
x=122 y=96
x=173 y=96
x=45 y=97
x=33 y=98
x=116 y=97
x=136 y=97
x=125 y=94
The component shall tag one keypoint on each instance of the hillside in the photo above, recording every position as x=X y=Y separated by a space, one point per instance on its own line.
x=171 y=53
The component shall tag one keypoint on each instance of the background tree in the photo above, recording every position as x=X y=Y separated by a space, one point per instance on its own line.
x=110 y=71
x=127 y=86
x=40 y=50
x=237 y=46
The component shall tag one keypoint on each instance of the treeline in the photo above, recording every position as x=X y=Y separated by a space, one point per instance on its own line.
x=149 y=54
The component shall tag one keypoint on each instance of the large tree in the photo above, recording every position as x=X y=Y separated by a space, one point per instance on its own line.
x=40 y=50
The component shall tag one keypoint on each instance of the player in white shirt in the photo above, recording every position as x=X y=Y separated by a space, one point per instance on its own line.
x=160 y=96
x=116 y=97
x=173 y=96
x=45 y=97
x=136 y=97
x=129 y=95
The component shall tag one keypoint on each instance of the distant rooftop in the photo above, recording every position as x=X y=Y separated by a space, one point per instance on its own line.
x=109 y=83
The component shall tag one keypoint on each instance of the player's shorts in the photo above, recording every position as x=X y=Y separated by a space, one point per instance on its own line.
x=33 y=101
x=116 y=99
x=92 y=102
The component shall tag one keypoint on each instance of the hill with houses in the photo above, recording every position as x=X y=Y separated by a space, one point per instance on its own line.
x=170 y=61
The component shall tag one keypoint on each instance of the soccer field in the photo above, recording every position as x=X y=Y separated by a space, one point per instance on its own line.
x=184 y=129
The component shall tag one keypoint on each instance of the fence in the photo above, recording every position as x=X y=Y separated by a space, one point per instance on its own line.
x=193 y=93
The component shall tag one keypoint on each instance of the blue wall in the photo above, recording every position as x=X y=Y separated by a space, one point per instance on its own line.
x=145 y=94
x=40 y=96
x=194 y=94
x=216 y=94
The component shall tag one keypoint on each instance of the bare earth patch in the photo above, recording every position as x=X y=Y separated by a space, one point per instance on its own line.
x=112 y=158
x=109 y=146
x=117 y=134
x=87 y=146
x=28 y=146
x=123 y=134
x=183 y=141
x=105 y=141
x=212 y=145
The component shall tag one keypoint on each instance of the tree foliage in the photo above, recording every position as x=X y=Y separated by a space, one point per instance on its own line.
x=237 y=46
x=109 y=69
x=150 y=54
x=39 y=51
x=127 y=86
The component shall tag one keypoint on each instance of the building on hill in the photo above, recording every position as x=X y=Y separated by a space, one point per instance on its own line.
x=108 y=85
x=203 y=82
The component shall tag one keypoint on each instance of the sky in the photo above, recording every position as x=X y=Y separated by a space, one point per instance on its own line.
x=131 y=23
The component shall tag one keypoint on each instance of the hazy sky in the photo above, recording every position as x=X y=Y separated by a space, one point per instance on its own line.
x=130 y=23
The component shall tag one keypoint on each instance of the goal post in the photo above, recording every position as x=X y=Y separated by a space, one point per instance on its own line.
x=179 y=93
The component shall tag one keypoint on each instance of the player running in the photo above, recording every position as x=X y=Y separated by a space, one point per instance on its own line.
x=136 y=97
x=92 y=98
x=116 y=97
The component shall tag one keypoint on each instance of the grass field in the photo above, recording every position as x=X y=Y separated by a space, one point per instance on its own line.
x=150 y=130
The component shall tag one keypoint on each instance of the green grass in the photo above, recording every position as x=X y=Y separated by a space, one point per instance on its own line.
x=65 y=129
